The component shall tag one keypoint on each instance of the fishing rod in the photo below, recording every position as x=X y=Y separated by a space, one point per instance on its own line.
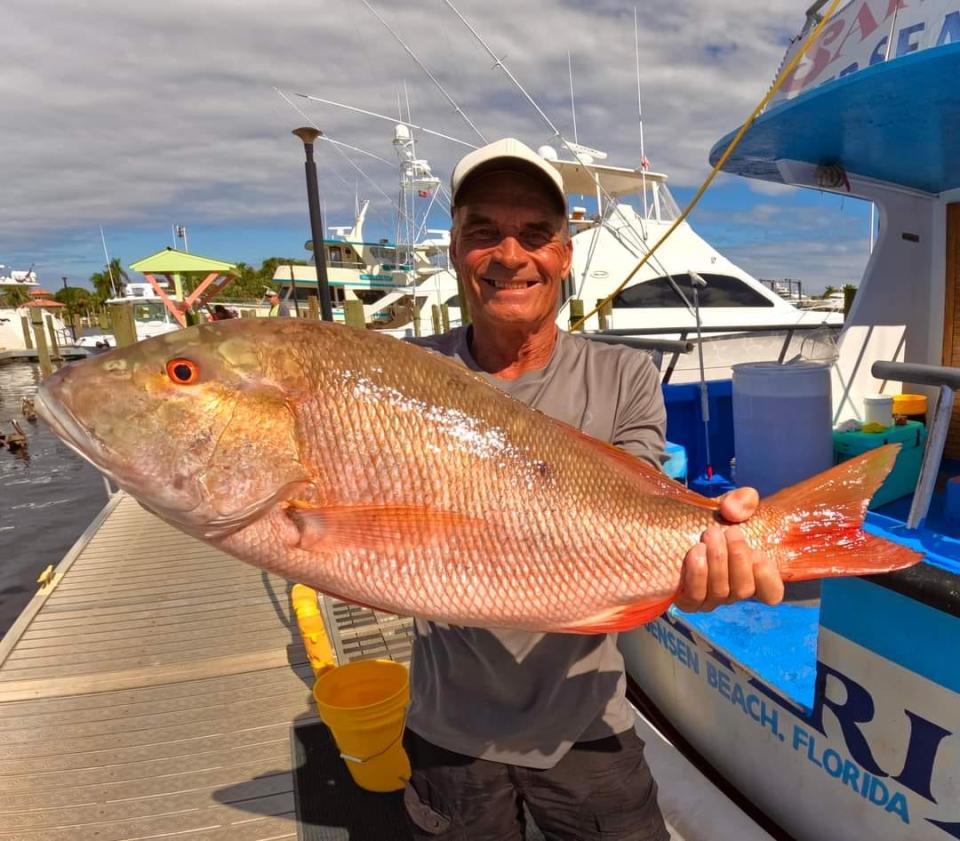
x=384 y=117
x=457 y=109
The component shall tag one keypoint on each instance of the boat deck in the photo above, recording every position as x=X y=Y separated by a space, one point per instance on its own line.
x=149 y=692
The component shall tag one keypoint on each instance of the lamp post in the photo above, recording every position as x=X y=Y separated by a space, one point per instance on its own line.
x=308 y=136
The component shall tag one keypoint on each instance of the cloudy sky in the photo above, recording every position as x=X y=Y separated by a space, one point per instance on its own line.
x=138 y=116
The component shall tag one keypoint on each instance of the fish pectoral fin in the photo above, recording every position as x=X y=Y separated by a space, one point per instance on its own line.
x=621 y=618
x=374 y=527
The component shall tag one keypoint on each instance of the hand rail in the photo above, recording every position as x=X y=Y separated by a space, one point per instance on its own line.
x=741 y=328
x=663 y=345
x=908 y=372
x=948 y=381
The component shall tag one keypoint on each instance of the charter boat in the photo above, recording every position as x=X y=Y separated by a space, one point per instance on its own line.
x=839 y=716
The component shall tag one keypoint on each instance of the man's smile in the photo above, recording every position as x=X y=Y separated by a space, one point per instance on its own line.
x=496 y=283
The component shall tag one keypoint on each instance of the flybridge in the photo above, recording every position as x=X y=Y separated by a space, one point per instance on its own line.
x=868 y=32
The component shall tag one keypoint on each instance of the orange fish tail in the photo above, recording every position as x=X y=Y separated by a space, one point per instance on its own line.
x=824 y=535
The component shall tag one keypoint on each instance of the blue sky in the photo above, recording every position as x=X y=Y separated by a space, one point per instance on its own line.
x=139 y=117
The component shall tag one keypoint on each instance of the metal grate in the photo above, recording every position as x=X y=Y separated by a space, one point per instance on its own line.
x=359 y=633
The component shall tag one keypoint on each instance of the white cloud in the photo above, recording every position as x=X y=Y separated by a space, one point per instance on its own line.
x=140 y=114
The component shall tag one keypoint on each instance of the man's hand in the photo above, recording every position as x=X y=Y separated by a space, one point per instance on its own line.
x=722 y=568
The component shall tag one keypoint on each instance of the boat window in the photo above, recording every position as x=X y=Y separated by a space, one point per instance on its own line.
x=650 y=293
x=336 y=256
x=721 y=291
x=147 y=312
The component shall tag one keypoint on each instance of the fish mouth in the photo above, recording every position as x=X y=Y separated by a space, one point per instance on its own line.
x=66 y=427
x=192 y=519
x=57 y=415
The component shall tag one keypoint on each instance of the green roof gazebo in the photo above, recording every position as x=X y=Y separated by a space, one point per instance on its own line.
x=173 y=264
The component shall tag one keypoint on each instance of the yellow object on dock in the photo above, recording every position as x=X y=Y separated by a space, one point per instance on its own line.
x=314 y=633
x=304 y=601
x=364 y=704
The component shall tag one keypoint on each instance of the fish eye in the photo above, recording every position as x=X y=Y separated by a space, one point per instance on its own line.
x=183 y=371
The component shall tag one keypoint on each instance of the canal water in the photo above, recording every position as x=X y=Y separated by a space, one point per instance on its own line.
x=47 y=497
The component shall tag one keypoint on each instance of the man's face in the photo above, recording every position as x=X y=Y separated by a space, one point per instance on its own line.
x=510 y=247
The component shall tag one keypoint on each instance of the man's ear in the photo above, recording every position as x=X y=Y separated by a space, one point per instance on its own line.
x=454 y=237
x=567 y=254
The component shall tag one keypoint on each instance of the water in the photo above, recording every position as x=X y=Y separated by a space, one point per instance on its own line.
x=47 y=498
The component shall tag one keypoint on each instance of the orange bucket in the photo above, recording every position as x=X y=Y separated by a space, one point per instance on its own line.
x=365 y=706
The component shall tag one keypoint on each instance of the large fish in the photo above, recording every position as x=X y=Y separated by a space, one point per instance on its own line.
x=389 y=476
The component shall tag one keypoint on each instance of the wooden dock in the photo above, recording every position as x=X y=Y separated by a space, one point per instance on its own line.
x=149 y=692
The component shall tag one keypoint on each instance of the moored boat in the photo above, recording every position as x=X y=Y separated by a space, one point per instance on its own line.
x=838 y=716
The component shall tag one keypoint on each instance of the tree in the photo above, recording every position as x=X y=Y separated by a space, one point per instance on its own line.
x=828 y=291
x=109 y=282
x=77 y=300
x=249 y=283
x=14 y=296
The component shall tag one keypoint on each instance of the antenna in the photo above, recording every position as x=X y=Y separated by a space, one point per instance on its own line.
x=382 y=117
x=643 y=154
x=423 y=67
x=113 y=284
x=573 y=107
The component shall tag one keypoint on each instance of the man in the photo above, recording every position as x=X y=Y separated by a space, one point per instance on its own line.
x=277 y=308
x=501 y=718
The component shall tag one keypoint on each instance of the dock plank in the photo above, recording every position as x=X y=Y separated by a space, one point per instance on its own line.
x=150 y=694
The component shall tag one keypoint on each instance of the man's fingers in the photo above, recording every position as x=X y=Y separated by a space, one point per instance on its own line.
x=718 y=577
x=739 y=505
x=694 y=588
x=740 y=563
x=768 y=581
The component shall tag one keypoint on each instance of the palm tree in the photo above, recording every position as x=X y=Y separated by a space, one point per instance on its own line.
x=828 y=291
x=14 y=296
x=109 y=282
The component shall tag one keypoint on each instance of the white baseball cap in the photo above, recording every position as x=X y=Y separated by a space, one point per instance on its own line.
x=267 y=292
x=508 y=153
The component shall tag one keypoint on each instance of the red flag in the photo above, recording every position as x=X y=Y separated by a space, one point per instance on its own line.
x=644 y=163
x=424 y=194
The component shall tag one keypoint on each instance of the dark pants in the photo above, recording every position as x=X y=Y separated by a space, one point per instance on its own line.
x=599 y=790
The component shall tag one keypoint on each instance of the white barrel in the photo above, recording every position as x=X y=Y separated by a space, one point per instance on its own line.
x=782 y=423
x=878 y=408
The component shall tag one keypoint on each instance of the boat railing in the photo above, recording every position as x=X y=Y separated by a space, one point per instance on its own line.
x=948 y=381
x=684 y=344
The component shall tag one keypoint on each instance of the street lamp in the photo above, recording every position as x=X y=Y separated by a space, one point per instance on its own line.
x=308 y=135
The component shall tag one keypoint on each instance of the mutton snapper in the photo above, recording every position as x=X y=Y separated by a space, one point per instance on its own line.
x=391 y=477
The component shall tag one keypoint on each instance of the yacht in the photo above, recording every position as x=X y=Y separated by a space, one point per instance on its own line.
x=11 y=326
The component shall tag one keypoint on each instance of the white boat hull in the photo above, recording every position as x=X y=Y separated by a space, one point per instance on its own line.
x=873 y=755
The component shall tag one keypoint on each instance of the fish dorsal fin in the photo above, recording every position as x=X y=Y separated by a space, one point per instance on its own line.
x=375 y=527
x=649 y=479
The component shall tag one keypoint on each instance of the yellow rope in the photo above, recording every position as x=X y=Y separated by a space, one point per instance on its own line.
x=784 y=73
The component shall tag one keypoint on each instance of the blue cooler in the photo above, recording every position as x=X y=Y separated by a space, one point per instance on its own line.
x=902 y=480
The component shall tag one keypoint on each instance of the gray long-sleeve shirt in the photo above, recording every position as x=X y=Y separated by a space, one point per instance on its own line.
x=513 y=696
